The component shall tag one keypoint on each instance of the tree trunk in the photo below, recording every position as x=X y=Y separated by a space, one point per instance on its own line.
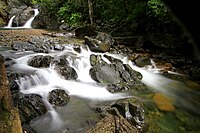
x=91 y=12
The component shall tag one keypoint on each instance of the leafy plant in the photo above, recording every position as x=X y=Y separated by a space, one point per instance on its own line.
x=157 y=9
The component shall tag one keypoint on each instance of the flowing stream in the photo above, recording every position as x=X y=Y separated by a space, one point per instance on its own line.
x=78 y=115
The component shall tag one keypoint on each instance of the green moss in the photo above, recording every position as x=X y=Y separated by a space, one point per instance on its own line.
x=4 y=115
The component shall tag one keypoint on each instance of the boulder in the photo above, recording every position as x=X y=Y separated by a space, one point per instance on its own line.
x=85 y=31
x=30 y=107
x=40 y=61
x=99 y=43
x=58 y=98
x=123 y=116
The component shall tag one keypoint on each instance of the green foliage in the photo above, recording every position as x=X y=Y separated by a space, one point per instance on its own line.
x=157 y=9
x=68 y=14
x=149 y=14
x=137 y=12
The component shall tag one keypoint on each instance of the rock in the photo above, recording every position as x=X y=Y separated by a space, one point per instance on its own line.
x=14 y=87
x=22 y=46
x=40 y=61
x=5 y=95
x=163 y=102
x=58 y=98
x=116 y=75
x=105 y=37
x=113 y=124
x=3 y=13
x=142 y=61
x=30 y=107
x=67 y=72
x=64 y=69
x=105 y=74
x=64 y=26
x=124 y=116
x=102 y=42
x=85 y=31
x=96 y=45
x=23 y=16
x=9 y=115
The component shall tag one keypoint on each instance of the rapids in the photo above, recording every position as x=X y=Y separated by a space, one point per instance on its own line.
x=85 y=93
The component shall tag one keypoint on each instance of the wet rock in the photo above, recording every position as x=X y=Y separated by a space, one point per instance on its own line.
x=113 y=124
x=163 y=102
x=100 y=43
x=77 y=49
x=13 y=77
x=163 y=66
x=106 y=38
x=40 y=61
x=30 y=107
x=116 y=75
x=105 y=74
x=9 y=62
x=96 y=60
x=142 y=61
x=132 y=110
x=23 y=16
x=64 y=69
x=58 y=47
x=22 y=46
x=67 y=72
x=123 y=116
x=96 y=45
x=58 y=98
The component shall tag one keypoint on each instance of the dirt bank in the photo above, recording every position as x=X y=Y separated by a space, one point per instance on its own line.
x=8 y=36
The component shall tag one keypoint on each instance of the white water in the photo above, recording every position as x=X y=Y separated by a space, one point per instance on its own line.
x=27 y=24
x=44 y=80
x=10 y=22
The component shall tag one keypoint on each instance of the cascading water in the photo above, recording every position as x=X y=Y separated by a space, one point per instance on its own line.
x=10 y=22
x=84 y=90
x=27 y=24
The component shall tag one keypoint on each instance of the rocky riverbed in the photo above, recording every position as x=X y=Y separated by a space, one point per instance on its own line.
x=149 y=111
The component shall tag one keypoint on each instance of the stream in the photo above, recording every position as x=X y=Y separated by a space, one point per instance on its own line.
x=85 y=93
x=170 y=105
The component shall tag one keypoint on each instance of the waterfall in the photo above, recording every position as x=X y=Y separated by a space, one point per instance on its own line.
x=10 y=22
x=27 y=24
